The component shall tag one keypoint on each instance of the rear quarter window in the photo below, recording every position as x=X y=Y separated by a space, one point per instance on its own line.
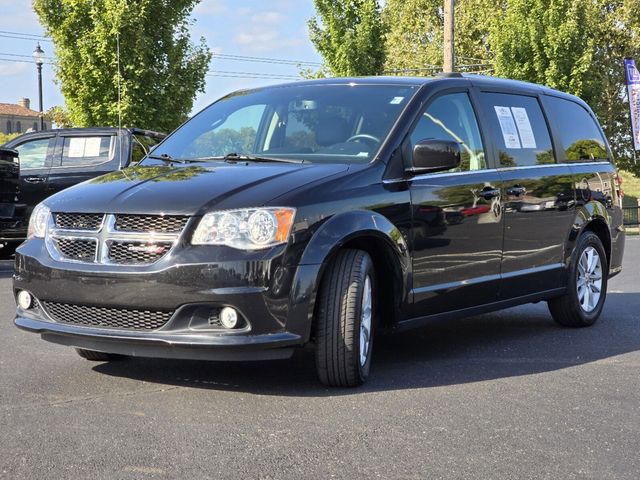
x=87 y=151
x=520 y=129
x=581 y=138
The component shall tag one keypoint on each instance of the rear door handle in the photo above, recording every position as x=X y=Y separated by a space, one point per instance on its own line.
x=34 y=179
x=516 y=191
x=489 y=192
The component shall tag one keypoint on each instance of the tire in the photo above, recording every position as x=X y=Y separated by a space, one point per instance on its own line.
x=98 y=356
x=577 y=308
x=343 y=341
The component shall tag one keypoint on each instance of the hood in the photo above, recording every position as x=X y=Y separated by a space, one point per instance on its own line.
x=188 y=190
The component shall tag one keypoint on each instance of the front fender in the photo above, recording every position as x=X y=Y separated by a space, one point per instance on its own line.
x=369 y=227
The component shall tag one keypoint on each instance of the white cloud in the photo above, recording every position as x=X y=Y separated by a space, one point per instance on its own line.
x=210 y=7
x=268 y=17
x=265 y=40
x=13 y=68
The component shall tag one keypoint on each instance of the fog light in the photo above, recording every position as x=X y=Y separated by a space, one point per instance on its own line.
x=25 y=300
x=228 y=317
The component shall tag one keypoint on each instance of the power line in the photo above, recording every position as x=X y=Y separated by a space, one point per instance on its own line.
x=25 y=56
x=24 y=34
x=31 y=39
x=281 y=61
x=221 y=56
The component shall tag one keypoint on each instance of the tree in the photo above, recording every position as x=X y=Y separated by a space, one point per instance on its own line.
x=576 y=46
x=59 y=116
x=414 y=34
x=161 y=69
x=349 y=34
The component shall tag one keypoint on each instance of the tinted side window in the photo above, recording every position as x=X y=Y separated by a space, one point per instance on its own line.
x=520 y=129
x=33 y=154
x=87 y=151
x=451 y=117
x=141 y=145
x=579 y=133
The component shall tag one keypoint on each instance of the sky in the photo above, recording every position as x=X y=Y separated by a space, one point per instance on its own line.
x=276 y=29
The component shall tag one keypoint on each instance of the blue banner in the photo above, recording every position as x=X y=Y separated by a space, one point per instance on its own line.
x=633 y=88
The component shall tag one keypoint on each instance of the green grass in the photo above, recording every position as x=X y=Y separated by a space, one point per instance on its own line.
x=630 y=183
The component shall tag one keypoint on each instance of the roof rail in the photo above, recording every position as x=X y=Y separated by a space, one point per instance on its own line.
x=449 y=75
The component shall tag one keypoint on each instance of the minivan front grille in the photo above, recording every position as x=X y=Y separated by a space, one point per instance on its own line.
x=137 y=252
x=105 y=317
x=115 y=239
x=78 y=250
x=150 y=223
x=79 y=221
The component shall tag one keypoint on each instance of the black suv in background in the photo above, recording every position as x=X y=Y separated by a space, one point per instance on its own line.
x=53 y=160
x=325 y=211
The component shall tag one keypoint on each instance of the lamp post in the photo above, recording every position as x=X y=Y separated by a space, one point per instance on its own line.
x=38 y=56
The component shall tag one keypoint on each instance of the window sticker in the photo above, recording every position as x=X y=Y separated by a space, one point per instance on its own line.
x=92 y=147
x=508 y=127
x=524 y=127
x=396 y=100
x=76 y=147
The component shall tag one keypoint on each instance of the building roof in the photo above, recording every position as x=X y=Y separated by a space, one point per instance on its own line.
x=19 y=110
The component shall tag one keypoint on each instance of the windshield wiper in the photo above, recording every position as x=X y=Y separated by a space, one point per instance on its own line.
x=168 y=158
x=237 y=157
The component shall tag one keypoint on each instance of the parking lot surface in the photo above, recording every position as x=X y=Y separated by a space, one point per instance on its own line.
x=503 y=395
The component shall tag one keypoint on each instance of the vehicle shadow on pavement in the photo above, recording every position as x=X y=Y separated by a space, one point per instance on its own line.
x=514 y=342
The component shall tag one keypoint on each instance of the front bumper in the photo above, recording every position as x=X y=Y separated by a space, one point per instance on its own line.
x=181 y=346
x=258 y=285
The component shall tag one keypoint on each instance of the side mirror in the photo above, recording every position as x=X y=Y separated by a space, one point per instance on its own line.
x=433 y=155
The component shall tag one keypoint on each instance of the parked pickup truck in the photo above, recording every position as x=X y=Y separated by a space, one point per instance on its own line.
x=53 y=160
x=11 y=210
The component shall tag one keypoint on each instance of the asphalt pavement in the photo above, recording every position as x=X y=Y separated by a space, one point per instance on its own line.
x=507 y=395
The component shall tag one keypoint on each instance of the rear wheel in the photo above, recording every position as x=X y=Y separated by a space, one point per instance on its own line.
x=98 y=356
x=345 y=320
x=587 y=286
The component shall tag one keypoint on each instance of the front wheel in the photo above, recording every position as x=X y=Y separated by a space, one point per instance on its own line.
x=345 y=319
x=587 y=286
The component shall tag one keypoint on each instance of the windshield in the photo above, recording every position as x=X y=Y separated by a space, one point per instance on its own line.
x=310 y=123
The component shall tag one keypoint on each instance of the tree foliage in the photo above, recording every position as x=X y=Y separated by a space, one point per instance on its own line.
x=576 y=46
x=349 y=35
x=161 y=69
x=59 y=116
x=415 y=27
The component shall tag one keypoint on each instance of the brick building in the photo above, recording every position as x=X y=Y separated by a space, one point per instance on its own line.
x=19 y=118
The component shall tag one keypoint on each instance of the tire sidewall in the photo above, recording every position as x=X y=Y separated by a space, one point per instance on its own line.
x=588 y=240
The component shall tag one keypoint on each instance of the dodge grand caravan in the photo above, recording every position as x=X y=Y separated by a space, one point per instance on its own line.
x=324 y=212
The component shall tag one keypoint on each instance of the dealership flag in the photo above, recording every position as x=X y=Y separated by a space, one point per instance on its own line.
x=633 y=85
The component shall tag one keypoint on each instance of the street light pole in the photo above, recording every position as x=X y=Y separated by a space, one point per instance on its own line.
x=38 y=55
x=449 y=13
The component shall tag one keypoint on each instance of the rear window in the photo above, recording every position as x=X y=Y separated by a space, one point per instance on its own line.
x=520 y=129
x=581 y=138
x=87 y=151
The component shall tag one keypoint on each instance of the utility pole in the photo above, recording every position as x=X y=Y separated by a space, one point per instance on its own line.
x=449 y=9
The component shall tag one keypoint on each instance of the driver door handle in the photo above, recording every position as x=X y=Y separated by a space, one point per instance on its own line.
x=516 y=191
x=489 y=192
x=34 y=179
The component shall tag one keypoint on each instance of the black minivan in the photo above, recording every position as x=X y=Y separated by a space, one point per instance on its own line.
x=322 y=212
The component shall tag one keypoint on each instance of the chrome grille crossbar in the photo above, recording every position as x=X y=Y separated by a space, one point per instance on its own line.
x=158 y=243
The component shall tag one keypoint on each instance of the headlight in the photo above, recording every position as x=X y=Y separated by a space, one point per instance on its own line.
x=247 y=229
x=38 y=221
